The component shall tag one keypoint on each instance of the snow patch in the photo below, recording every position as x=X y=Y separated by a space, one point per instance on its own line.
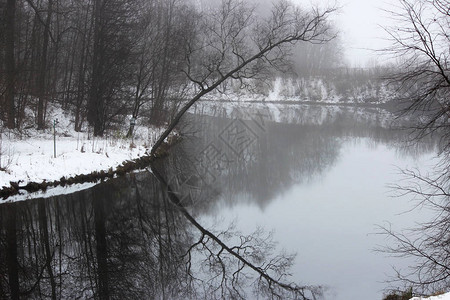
x=445 y=296
x=51 y=192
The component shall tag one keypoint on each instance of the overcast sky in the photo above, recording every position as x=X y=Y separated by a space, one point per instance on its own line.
x=359 y=22
x=361 y=31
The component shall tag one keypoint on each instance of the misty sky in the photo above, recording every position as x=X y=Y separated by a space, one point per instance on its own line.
x=359 y=22
x=361 y=31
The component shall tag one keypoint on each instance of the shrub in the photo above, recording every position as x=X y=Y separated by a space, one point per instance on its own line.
x=399 y=295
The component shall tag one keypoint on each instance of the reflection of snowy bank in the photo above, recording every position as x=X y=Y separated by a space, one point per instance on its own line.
x=317 y=114
x=51 y=192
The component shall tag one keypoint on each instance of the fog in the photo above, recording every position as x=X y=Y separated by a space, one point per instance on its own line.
x=360 y=24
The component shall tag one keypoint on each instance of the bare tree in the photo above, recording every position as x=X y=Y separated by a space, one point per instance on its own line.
x=236 y=45
x=427 y=243
x=43 y=69
x=420 y=41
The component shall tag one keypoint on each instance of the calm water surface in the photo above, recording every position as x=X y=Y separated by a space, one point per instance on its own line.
x=331 y=220
x=320 y=186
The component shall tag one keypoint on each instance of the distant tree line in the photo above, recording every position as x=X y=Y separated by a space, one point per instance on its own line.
x=102 y=60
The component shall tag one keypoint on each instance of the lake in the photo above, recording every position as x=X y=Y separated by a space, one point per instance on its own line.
x=309 y=180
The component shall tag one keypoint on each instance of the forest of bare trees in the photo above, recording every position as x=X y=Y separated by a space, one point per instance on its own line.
x=99 y=59
x=104 y=60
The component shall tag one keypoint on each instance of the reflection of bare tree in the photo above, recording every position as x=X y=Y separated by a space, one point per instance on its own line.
x=251 y=252
x=125 y=239
x=103 y=244
x=428 y=242
x=44 y=230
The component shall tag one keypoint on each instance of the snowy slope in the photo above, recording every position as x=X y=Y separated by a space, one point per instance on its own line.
x=440 y=297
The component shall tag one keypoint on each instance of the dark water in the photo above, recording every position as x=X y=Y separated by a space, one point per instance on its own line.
x=319 y=185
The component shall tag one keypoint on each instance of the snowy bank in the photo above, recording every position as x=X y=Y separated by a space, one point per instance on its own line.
x=445 y=296
x=321 y=89
x=29 y=156
x=32 y=160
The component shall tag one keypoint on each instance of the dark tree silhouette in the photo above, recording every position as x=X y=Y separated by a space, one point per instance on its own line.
x=111 y=51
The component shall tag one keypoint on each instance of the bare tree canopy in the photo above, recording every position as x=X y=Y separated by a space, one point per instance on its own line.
x=105 y=60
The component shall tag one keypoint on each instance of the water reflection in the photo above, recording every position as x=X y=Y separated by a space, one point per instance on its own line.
x=128 y=238
x=253 y=156
x=118 y=240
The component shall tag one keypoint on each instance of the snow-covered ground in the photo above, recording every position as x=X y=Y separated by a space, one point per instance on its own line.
x=33 y=159
x=440 y=297
x=29 y=157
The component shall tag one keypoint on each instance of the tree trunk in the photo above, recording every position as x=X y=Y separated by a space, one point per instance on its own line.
x=10 y=63
x=82 y=70
x=42 y=86
x=96 y=97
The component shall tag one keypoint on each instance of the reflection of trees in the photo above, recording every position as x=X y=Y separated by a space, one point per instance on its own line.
x=279 y=156
x=276 y=156
x=125 y=239
x=10 y=259
x=227 y=262
x=113 y=241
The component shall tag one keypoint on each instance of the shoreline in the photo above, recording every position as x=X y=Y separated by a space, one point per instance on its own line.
x=81 y=160
x=122 y=169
